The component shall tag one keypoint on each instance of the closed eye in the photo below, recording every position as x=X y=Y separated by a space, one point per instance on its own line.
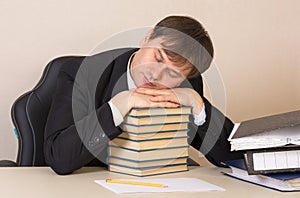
x=158 y=56
x=172 y=73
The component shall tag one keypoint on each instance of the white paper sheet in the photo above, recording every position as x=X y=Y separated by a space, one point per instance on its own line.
x=174 y=185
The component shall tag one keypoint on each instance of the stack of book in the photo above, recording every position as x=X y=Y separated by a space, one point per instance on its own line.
x=154 y=142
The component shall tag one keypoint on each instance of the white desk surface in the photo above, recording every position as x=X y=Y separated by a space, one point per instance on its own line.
x=23 y=182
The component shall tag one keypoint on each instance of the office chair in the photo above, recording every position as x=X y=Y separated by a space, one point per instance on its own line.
x=29 y=115
x=30 y=111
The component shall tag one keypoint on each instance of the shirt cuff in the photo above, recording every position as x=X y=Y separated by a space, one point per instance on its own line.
x=200 y=118
x=117 y=116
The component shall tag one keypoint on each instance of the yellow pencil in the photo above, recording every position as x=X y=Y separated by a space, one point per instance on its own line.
x=134 y=183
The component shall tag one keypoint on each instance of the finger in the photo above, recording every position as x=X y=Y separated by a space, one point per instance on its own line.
x=163 y=104
x=153 y=92
x=169 y=104
x=165 y=98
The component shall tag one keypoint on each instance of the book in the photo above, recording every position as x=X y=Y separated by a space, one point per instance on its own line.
x=266 y=132
x=150 y=154
x=154 y=136
x=147 y=163
x=150 y=144
x=273 y=160
x=285 y=182
x=154 y=128
x=157 y=119
x=184 y=110
x=150 y=171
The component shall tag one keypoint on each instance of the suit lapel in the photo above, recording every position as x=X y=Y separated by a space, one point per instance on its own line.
x=118 y=78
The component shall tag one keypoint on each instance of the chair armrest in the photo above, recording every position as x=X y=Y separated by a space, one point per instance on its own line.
x=7 y=163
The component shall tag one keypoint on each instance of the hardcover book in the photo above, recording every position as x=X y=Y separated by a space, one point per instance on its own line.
x=155 y=135
x=148 y=154
x=154 y=128
x=147 y=163
x=183 y=110
x=157 y=119
x=150 y=171
x=150 y=144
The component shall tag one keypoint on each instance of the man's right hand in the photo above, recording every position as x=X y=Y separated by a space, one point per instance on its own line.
x=126 y=100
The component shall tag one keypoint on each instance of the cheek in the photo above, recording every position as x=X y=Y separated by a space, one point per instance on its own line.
x=170 y=83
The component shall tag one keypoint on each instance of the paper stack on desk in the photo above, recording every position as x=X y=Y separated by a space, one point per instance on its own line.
x=154 y=142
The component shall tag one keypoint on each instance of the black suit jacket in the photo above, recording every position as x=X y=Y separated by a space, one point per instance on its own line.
x=80 y=121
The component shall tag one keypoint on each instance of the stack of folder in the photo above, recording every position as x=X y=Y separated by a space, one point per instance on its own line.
x=154 y=142
x=271 y=144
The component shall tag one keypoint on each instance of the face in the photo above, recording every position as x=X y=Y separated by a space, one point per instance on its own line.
x=151 y=68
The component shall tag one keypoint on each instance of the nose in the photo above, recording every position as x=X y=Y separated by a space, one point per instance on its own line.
x=156 y=72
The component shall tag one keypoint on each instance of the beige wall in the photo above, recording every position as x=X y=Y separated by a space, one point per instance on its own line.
x=256 y=42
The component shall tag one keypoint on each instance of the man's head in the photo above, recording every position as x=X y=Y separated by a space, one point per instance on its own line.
x=178 y=47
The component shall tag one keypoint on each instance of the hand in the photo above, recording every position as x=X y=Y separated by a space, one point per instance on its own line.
x=126 y=100
x=182 y=96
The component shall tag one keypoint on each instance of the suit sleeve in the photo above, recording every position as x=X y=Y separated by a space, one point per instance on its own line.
x=211 y=137
x=76 y=132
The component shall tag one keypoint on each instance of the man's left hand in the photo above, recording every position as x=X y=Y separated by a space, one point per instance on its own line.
x=182 y=96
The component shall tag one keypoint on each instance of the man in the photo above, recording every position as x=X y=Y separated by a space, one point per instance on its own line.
x=94 y=94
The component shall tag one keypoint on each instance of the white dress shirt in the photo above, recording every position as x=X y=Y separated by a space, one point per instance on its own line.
x=117 y=116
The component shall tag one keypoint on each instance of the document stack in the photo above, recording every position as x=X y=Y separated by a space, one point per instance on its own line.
x=284 y=182
x=271 y=144
x=271 y=148
x=153 y=142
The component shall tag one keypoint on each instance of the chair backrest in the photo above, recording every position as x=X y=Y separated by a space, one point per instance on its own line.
x=29 y=115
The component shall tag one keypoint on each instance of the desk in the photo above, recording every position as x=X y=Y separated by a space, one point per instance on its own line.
x=23 y=182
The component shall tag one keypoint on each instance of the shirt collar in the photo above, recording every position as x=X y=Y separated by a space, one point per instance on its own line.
x=130 y=82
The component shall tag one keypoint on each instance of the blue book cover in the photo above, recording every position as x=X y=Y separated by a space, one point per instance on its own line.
x=149 y=171
x=153 y=124
x=155 y=132
x=149 y=140
x=152 y=149
x=139 y=161
x=155 y=174
x=160 y=111
x=148 y=167
x=158 y=115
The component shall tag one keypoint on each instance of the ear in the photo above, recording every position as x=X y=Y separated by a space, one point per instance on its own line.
x=145 y=40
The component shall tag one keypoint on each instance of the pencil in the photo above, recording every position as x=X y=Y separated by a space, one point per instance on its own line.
x=134 y=183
